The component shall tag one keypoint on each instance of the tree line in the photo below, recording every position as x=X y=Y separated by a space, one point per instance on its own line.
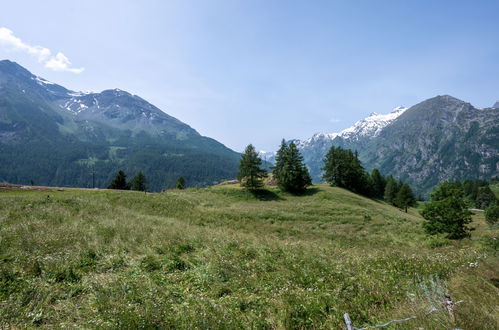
x=138 y=183
x=342 y=168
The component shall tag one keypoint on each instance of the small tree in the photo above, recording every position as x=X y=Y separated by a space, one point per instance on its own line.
x=405 y=197
x=250 y=173
x=485 y=197
x=447 y=212
x=119 y=182
x=180 y=183
x=139 y=182
x=391 y=189
x=492 y=214
x=289 y=171
x=378 y=183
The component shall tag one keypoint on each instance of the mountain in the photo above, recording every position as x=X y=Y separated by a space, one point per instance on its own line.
x=496 y=105
x=54 y=136
x=439 y=139
x=315 y=148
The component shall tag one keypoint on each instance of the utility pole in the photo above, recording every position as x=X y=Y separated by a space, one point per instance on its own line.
x=93 y=177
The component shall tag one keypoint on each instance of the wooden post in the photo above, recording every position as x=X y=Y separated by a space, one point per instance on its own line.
x=348 y=321
x=450 y=307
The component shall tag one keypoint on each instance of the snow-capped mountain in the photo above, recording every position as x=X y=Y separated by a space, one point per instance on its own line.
x=366 y=128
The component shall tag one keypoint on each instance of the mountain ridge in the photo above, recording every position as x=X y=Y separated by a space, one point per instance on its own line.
x=441 y=138
x=109 y=130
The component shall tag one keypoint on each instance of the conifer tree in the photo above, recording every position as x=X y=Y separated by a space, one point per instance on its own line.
x=405 y=197
x=119 y=182
x=289 y=171
x=485 y=197
x=138 y=182
x=180 y=184
x=250 y=173
x=342 y=168
x=391 y=190
x=378 y=184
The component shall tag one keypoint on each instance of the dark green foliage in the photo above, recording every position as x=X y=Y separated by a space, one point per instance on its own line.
x=447 y=212
x=378 y=184
x=391 y=189
x=119 y=182
x=290 y=172
x=250 y=173
x=492 y=214
x=342 y=168
x=405 y=197
x=180 y=184
x=447 y=190
x=485 y=198
x=138 y=182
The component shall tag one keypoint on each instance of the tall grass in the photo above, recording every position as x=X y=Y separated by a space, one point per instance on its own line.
x=224 y=258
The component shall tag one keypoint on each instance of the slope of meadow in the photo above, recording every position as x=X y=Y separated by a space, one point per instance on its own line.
x=221 y=257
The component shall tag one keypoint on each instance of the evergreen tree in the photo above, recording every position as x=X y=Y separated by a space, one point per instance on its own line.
x=447 y=212
x=485 y=197
x=180 y=183
x=492 y=214
x=119 y=182
x=289 y=171
x=342 y=168
x=378 y=184
x=250 y=173
x=138 y=182
x=405 y=197
x=391 y=190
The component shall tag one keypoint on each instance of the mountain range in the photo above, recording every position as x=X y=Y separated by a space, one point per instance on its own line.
x=50 y=135
x=442 y=138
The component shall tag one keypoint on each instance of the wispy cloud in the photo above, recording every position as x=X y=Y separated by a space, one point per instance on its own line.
x=57 y=62
x=334 y=120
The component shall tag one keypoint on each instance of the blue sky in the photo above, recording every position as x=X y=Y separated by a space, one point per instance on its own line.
x=258 y=71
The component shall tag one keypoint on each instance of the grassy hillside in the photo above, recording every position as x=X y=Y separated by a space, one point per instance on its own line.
x=223 y=258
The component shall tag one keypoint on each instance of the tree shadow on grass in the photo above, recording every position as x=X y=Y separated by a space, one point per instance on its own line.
x=265 y=195
x=309 y=192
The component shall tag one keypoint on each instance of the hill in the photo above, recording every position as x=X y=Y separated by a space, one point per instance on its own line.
x=221 y=257
x=54 y=136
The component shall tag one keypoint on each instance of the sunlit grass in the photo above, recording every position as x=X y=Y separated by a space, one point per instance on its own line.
x=225 y=258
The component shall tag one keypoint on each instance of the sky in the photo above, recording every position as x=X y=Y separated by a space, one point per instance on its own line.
x=257 y=71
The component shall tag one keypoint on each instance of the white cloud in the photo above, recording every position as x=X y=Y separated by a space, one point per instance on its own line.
x=59 y=62
x=334 y=120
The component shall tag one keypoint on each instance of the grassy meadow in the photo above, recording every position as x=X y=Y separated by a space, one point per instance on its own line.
x=224 y=258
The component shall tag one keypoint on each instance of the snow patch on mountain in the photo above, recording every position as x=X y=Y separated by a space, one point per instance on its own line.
x=372 y=125
x=368 y=127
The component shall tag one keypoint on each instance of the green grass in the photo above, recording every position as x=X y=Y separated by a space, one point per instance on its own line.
x=222 y=257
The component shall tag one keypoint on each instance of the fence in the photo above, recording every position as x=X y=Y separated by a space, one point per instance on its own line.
x=449 y=305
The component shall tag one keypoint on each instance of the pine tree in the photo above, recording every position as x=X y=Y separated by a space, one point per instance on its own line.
x=485 y=197
x=391 y=190
x=447 y=212
x=250 y=173
x=138 y=182
x=119 y=182
x=289 y=171
x=180 y=183
x=342 y=168
x=378 y=184
x=405 y=197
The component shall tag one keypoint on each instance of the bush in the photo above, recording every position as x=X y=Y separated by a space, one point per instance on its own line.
x=492 y=214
